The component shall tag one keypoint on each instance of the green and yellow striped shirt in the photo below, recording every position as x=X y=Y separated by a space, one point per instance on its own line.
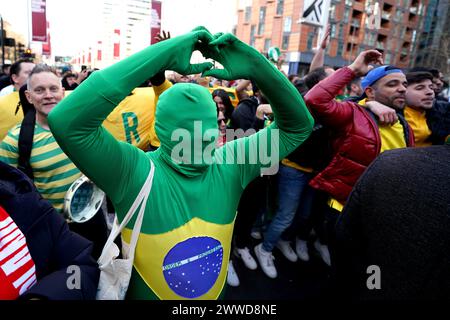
x=52 y=169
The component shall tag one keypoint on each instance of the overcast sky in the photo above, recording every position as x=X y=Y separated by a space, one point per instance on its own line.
x=73 y=22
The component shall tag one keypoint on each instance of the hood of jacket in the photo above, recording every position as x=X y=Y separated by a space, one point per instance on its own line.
x=13 y=181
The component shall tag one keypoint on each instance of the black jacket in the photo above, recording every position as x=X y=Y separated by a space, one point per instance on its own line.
x=244 y=116
x=314 y=152
x=438 y=120
x=51 y=245
x=398 y=218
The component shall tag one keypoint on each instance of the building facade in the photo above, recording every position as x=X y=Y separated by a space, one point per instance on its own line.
x=15 y=44
x=277 y=23
x=433 y=49
x=125 y=29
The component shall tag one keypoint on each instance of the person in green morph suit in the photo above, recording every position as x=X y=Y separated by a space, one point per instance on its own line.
x=184 y=245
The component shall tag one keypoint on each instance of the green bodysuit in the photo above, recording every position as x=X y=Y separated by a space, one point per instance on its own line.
x=184 y=245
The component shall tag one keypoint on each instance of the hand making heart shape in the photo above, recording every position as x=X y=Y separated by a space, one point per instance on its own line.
x=240 y=61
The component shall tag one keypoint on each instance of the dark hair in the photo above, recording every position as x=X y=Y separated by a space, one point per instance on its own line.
x=418 y=76
x=434 y=72
x=255 y=87
x=301 y=86
x=41 y=67
x=6 y=65
x=64 y=81
x=222 y=94
x=15 y=67
x=356 y=81
x=315 y=76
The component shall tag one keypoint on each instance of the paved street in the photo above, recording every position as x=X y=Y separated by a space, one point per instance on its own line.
x=295 y=281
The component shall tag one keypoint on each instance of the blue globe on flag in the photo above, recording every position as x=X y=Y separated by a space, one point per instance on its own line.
x=192 y=267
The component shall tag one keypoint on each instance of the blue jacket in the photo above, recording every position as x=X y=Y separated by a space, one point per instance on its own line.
x=51 y=245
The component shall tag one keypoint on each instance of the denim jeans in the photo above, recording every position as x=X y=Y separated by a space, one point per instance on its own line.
x=294 y=197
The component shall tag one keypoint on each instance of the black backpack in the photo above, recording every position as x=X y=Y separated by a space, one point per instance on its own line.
x=26 y=133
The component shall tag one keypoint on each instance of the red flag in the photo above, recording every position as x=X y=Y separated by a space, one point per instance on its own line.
x=99 y=51
x=46 y=46
x=38 y=20
x=116 y=43
x=156 y=20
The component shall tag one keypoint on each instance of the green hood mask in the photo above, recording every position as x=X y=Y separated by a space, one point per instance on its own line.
x=186 y=125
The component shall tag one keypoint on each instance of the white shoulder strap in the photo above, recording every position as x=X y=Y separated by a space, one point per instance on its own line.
x=141 y=199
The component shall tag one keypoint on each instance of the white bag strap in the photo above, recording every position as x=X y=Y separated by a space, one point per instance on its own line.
x=140 y=199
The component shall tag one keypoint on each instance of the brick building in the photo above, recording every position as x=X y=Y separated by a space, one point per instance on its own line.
x=276 y=23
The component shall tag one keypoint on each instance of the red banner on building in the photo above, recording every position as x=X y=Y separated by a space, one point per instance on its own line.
x=38 y=20
x=47 y=46
x=116 y=43
x=89 y=56
x=156 y=20
x=99 y=51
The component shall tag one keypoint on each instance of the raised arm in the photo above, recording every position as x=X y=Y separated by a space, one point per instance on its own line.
x=76 y=121
x=319 y=58
x=320 y=99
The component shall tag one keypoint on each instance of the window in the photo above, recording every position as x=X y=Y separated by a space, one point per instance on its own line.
x=285 y=42
x=262 y=18
x=332 y=13
x=248 y=14
x=372 y=39
x=366 y=37
x=287 y=24
x=414 y=34
x=309 y=43
x=280 y=4
x=341 y=32
x=333 y=31
x=252 y=35
x=262 y=14
x=266 y=45
x=402 y=33
x=389 y=45
x=398 y=16
x=346 y=14
x=340 y=48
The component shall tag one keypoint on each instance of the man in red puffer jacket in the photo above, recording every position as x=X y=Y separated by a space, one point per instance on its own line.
x=357 y=136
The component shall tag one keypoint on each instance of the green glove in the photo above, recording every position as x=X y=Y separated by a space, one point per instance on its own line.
x=240 y=61
x=179 y=51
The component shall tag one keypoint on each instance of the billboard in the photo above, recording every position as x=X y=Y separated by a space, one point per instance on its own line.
x=315 y=12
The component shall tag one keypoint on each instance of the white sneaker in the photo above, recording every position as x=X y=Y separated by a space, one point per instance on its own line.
x=232 y=277
x=245 y=255
x=265 y=260
x=323 y=251
x=301 y=248
x=256 y=235
x=286 y=250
